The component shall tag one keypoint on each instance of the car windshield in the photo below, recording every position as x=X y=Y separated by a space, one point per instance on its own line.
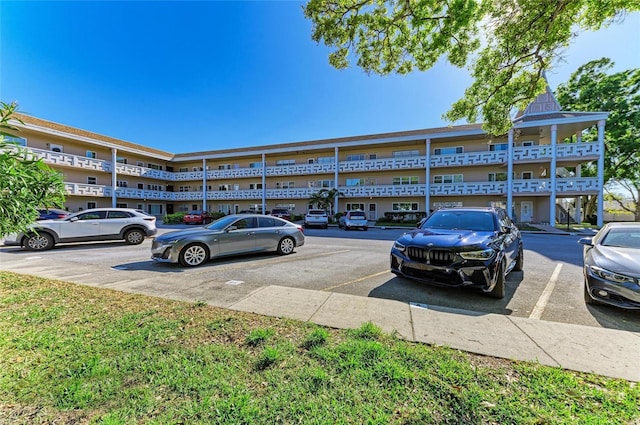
x=478 y=221
x=622 y=237
x=222 y=223
x=357 y=216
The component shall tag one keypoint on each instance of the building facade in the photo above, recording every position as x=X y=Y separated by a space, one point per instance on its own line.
x=535 y=168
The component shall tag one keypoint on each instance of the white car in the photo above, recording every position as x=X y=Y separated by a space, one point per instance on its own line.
x=96 y=224
x=317 y=218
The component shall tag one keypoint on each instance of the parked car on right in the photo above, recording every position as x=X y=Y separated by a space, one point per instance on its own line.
x=317 y=218
x=461 y=247
x=612 y=266
x=353 y=220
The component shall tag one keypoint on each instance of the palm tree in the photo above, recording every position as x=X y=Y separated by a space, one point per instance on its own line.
x=325 y=198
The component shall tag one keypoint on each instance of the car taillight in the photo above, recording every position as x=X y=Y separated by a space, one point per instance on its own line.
x=61 y=215
x=301 y=229
x=150 y=218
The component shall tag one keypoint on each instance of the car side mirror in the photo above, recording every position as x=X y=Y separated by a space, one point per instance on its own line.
x=586 y=241
x=73 y=219
x=230 y=228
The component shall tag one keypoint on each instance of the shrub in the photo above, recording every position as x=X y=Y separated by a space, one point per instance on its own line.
x=175 y=218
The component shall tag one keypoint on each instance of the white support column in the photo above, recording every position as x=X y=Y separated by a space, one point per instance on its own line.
x=114 y=176
x=510 y=173
x=601 y=173
x=264 y=184
x=204 y=184
x=336 y=199
x=552 y=173
x=578 y=211
x=427 y=177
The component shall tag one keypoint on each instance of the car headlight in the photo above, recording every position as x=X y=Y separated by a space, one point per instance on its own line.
x=611 y=276
x=397 y=245
x=485 y=254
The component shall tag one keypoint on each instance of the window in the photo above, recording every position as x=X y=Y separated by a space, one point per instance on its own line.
x=121 y=160
x=527 y=143
x=13 y=139
x=355 y=207
x=285 y=162
x=154 y=166
x=119 y=214
x=92 y=205
x=448 y=151
x=403 y=154
x=285 y=185
x=183 y=169
x=498 y=147
x=405 y=180
x=152 y=186
x=92 y=180
x=290 y=207
x=224 y=187
x=56 y=148
x=404 y=206
x=140 y=207
x=373 y=156
x=527 y=175
x=155 y=209
x=448 y=178
x=355 y=182
x=140 y=163
x=255 y=165
x=450 y=204
x=326 y=160
x=311 y=161
x=319 y=184
x=121 y=183
x=184 y=188
x=197 y=169
x=255 y=186
x=92 y=154
x=355 y=157
x=497 y=177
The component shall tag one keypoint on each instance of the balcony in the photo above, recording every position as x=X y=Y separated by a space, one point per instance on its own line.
x=382 y=164
x=469 y=159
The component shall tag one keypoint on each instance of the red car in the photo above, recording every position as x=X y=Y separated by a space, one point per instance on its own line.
x=282 y=213
x=198 y=217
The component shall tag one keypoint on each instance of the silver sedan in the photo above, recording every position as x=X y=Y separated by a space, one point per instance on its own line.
x=230 y=235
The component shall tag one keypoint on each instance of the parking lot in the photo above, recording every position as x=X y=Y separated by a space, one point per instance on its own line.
x=350 y=262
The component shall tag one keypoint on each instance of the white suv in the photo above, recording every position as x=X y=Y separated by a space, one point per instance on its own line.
x=96 y=224
x=316 y=218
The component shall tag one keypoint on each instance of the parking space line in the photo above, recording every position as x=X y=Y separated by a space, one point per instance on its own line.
x=546 y=294
x=355 y=281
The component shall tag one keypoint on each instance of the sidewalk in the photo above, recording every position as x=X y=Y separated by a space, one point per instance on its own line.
x=601 y=351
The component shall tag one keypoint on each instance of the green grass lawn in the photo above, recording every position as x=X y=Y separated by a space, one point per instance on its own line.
x=73 y=354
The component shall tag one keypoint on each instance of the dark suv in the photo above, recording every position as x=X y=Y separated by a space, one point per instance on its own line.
x=475 y=247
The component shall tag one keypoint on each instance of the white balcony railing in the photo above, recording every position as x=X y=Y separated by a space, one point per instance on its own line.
x=569 y=186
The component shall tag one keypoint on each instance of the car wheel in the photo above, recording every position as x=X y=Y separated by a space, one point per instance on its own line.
x=519 y=261
x=365 y=228
x=134 y=237
x=498 y=289
x=588 y=299
x=286 y=246
x=39 y=242
x=194 y=255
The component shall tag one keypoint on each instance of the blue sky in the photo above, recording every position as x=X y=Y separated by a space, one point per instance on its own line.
x=193 y=76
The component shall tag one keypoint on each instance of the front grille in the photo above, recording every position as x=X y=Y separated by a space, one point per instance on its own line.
x=438 y=257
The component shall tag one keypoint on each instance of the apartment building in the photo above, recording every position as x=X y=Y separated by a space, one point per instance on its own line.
x=532 y=168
